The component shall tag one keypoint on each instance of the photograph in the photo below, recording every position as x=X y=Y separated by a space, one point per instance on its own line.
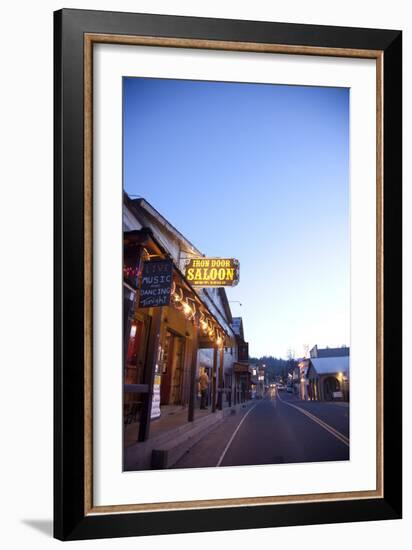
x=236 y=274
x=227 y=274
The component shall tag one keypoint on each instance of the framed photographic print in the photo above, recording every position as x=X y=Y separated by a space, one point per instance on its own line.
x=227 y=274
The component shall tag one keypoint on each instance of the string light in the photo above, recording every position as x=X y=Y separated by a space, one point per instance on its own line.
x=177 y=297
x=130 y=272
x=188 y=306
x=183 y=304
x=188 y=310
x=203 y=322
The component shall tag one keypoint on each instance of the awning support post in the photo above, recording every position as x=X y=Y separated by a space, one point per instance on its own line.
x=220 y=385
x=149 y=373
x=214 y=378
x=193 y=368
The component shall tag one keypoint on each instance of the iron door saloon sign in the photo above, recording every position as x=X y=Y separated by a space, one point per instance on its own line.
x=212 y=272
x=157 y=277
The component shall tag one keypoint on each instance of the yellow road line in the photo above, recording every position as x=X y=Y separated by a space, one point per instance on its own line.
x=321 y=423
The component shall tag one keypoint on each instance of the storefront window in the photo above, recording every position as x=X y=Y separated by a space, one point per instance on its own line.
x=133 y=361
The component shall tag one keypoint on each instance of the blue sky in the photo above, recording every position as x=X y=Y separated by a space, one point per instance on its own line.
x=258 y=172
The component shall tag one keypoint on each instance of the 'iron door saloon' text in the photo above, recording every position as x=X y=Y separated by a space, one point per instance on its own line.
x=212 y=272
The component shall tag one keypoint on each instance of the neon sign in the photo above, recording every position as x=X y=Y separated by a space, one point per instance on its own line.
x=212 y=272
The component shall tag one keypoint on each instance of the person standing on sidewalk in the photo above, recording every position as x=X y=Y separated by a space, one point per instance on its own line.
x=203 y=386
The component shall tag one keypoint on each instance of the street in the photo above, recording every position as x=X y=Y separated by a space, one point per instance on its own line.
x=281 y=429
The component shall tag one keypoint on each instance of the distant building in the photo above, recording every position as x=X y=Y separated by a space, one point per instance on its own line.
x=242 y=370
x=327 y=377
x=302 y=382
x=253 y=369
x=329 y=352
x=261 y=382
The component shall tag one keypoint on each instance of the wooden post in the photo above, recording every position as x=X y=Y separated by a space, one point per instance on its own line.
x=220 y=385
x=128 y=313
x=193 y=368
x=232 y=386
x=149 y=373
x=214 y=378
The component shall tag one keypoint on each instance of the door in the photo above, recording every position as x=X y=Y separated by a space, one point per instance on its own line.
x=172 y=373
x=177 y=371
x=166 y=379
x=330 y=386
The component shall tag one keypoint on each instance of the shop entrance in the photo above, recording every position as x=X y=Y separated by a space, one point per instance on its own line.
x=330 y=385
x=172 y=373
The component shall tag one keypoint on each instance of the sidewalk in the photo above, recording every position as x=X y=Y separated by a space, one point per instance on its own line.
x=171 y=417
x=171 y=435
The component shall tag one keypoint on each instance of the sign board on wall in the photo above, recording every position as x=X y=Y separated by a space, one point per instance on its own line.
x=156 y=285
x=212 y=272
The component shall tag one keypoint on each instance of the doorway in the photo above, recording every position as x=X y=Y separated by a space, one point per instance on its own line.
x=172 y=373
x=330 y=386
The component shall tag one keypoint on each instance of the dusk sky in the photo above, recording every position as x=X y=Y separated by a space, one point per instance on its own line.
x=257 y=172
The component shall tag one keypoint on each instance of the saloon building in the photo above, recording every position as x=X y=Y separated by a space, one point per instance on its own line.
x=180 y=347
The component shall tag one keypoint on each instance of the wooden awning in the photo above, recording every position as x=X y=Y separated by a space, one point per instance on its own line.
x=210 y=328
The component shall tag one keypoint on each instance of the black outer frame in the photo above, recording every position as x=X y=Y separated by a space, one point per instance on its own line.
x=70 y=522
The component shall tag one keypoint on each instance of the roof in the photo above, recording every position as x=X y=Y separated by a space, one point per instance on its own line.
x=157 y=226
x=166 y=225
x=237 y=326
x=326 y=365
x=329 y=352
x=333 y=352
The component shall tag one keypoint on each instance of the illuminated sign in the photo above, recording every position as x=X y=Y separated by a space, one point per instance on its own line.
x=212 y=272
x=156 y=285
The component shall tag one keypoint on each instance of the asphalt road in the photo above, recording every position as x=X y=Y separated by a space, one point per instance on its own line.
x=282 y=429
